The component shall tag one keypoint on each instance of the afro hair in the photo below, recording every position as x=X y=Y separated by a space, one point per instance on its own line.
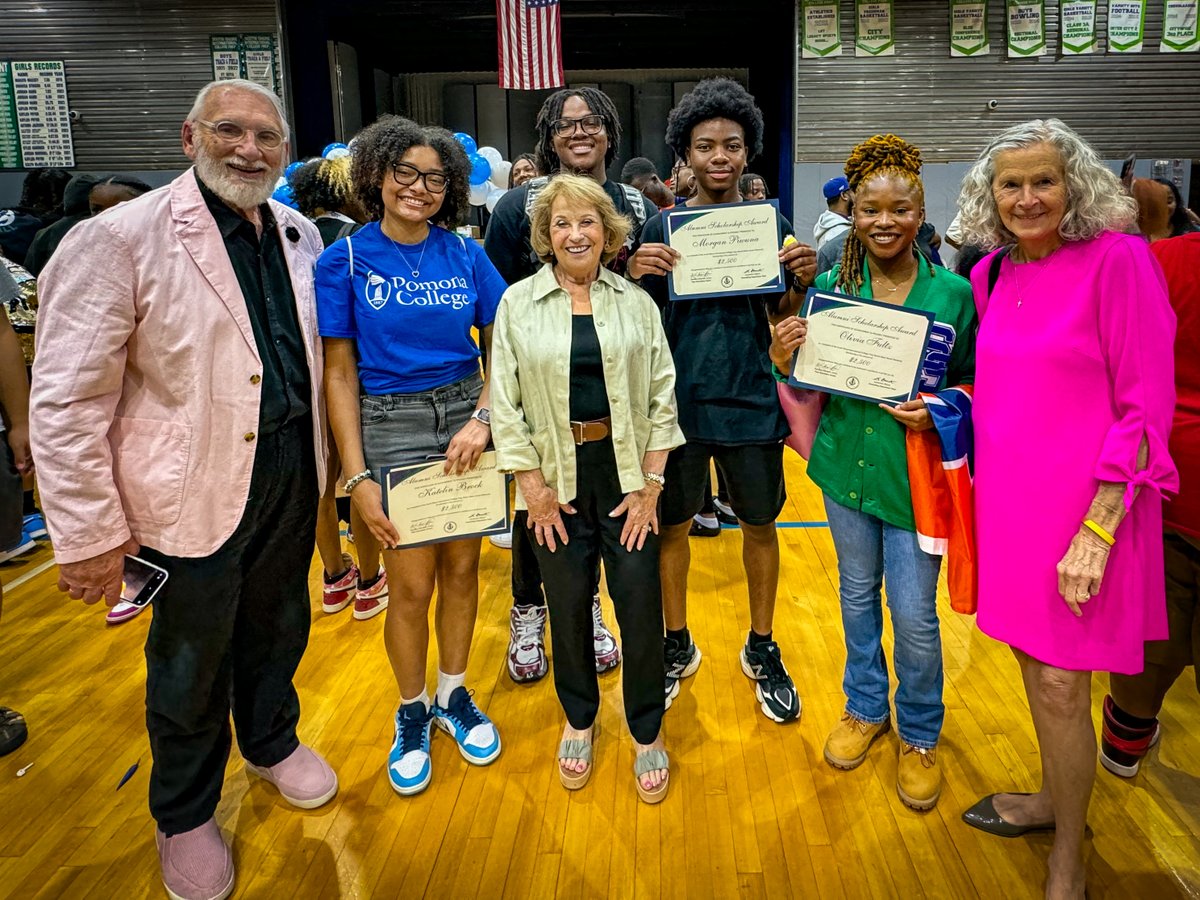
x=715 y=98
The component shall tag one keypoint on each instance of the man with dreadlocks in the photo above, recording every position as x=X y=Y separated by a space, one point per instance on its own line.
x=859 y=460
x=728 y=406
x=578 y=132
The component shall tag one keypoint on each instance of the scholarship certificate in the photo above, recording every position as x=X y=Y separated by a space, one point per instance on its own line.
x=861 y=348
x=428 y=506
x=727 y=248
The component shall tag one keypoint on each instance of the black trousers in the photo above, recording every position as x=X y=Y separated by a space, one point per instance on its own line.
x=227 y=635
x=634 y=586
x=526 y=573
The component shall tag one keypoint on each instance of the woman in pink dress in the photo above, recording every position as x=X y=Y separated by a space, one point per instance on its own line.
x=1074 y=394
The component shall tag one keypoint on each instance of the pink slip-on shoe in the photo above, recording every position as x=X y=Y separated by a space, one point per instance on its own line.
x=304 y=779
x=197 y=864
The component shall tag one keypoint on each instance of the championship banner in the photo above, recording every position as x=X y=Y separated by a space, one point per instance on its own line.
x=969 y=28
x=875 y=29
x=1126 y=25
x=1078 y=26
x=1026 y=28
x=1179 y=27
x=821 y=25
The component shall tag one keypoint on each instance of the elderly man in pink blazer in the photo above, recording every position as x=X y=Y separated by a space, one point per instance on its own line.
x=177 y=414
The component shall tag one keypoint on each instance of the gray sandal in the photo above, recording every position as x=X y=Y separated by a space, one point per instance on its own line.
x=650 y=761
x=575 y=748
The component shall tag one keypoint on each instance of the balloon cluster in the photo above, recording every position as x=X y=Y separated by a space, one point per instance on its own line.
x=489 y=172
x=283 y=187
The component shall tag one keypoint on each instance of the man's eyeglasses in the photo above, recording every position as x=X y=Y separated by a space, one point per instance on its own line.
x=232 y=132
x=435 y=182
x=590 y=124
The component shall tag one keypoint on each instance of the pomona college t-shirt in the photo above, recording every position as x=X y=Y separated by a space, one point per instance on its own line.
x=413 y=332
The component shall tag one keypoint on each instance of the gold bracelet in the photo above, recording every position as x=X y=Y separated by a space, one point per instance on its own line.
x=1100 y=532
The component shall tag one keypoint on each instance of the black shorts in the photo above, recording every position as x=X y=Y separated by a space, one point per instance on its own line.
x=12 y=499
x=753 y=474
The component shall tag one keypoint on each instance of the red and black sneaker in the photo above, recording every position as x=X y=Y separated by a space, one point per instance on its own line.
x=1122 y=747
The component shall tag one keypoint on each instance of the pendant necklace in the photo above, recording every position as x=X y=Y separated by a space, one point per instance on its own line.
x=1017 y=279
x=416 y=270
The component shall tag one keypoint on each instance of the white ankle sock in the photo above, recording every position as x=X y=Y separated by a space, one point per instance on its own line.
x=422 y=697
x=447 y=685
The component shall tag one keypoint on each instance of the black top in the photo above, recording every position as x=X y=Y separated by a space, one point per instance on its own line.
x=507 y=241
x=262 y=274
x=589 y=396
x=332 y=229
x=721 y=346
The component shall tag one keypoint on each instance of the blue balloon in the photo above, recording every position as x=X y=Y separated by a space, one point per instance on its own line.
x=481 y=169
x=467 y=142
x=285 y=196
x=336 y=145
x=292 y=169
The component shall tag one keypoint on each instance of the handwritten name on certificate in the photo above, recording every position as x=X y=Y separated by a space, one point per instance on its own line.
x=727 y=248
x=861 y=348
x=428 y=506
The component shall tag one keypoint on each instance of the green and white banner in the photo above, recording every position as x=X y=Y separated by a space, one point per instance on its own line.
x=875 y=29
x=1077 y=22
x=822 y=31
x=1179 y=27
x=1026 y=28
x=1126 y=25
x=969 y=28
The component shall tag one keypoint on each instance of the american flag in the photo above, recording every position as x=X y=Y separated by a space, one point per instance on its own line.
x=529 y=41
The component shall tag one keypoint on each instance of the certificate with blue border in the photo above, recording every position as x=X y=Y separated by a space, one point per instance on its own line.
x=428 y=506
x=861 y=348
x=725 y=249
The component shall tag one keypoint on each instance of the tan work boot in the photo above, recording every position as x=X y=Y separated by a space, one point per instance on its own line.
x=846 y=747
x=918 y=778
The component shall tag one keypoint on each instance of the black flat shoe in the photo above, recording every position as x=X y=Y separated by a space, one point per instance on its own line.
x=983 y=816
x=699 y=530
x=13 y=730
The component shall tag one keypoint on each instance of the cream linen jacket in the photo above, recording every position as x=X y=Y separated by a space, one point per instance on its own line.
x=531 y=379
x=146 y=385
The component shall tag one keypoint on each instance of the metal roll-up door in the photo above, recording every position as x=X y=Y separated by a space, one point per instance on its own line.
x=133 y=67
x=1147 y=102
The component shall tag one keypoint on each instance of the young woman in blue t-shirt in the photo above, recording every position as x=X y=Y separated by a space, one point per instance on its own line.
x=396 y=302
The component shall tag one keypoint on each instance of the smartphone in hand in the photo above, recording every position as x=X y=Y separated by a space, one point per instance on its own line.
x=141 y=581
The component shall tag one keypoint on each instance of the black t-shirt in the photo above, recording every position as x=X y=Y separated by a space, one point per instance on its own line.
x=589 y=397
x=721 y=346
x=507 y=241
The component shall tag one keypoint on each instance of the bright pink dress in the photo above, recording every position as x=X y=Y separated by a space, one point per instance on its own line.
x=1074 y=365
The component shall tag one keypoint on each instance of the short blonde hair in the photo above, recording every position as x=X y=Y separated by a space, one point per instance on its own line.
x=578 y=192
x=1096 y=200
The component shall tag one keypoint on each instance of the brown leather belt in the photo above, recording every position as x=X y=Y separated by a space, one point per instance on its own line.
x=595 y=430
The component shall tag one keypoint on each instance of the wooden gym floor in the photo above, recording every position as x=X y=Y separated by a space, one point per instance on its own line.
x=754 y=811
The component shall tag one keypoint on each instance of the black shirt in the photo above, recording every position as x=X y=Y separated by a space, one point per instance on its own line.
x=589 y=396
x=507 y=241
x=262 y=274
x=721 y=347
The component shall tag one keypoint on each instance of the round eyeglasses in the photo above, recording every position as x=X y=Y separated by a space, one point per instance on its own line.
x=232 y=132
x=592 y=124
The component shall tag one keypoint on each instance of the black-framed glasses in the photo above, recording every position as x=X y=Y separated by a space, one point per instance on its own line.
x=404 y=174
x=592 y=124
x=232 y=132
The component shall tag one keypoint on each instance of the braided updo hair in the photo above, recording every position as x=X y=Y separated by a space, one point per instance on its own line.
x=883 y=154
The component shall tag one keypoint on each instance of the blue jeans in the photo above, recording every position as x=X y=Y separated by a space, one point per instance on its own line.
x=869 y=551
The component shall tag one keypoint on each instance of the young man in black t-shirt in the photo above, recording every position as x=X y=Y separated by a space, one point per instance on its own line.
x=578 y=132
x=728 y=406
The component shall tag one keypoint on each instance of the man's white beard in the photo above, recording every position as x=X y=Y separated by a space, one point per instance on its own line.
x=236 y=193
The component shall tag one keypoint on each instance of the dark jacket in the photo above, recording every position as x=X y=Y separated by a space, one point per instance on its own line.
x=75 y=210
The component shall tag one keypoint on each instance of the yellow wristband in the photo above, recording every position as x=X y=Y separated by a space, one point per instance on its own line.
x=1100 y=532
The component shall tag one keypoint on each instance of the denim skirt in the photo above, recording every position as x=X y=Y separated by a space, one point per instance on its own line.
x=398 y=429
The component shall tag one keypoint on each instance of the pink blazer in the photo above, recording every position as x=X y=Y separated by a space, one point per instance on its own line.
x=146 y=384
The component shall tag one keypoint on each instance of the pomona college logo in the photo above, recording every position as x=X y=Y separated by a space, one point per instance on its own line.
x=378 y=290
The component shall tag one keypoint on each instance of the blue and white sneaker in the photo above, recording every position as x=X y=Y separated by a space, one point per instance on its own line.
x=409 y=770
x=478 y=740
x=35 y=526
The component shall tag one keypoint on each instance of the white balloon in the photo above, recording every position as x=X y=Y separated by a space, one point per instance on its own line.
x=338 y=153
x=493 y=198
x=491 y=154
x=500 y=172
x=479 y=194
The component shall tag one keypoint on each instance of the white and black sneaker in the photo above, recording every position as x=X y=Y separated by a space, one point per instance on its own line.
x=772 y=684
x=683 y=659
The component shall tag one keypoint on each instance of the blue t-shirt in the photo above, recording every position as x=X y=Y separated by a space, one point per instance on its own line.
x=412 y=333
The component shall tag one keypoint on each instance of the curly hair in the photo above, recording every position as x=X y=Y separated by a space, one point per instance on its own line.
x=523 y=157
x=883 y=154
x=545 y=157
x=715 y=98
x=579 y=193
x=380 y=146
x=323 y=186
x=1096 y=200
